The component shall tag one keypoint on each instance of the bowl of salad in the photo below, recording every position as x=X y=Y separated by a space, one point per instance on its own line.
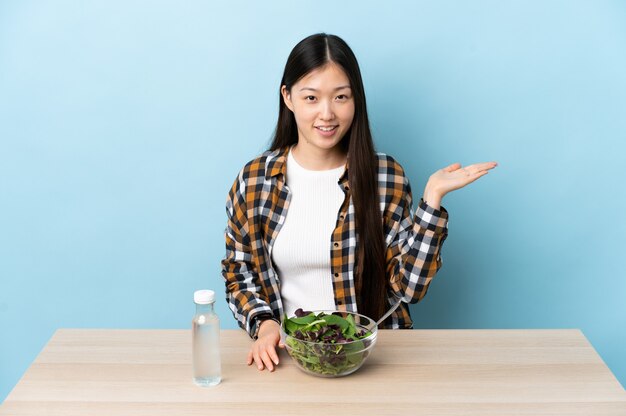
x=328 y=343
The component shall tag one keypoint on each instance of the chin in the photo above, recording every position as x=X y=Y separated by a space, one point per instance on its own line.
x=326 y=143
x=327 y=146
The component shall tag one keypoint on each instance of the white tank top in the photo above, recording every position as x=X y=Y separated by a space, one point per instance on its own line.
x=301 y=252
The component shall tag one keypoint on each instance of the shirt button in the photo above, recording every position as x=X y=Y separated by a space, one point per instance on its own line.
x=347 y=188
x=341 y=217
x=336 y=274
x=336 y=245
x=339 y=302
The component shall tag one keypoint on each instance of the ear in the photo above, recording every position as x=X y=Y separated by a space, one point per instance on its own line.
x=286 y=97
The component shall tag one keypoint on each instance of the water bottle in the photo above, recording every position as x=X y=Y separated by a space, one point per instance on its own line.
x=207 y=368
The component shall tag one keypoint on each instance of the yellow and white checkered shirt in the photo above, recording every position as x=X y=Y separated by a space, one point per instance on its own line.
x=257 y=205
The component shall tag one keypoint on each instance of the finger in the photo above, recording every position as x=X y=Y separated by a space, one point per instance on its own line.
x=267 y=360
x=471 y=170
x=249 y=359
x=257 y=359
x=452 y=167
x=479 y=167
x=487 y=165
x=272 y=353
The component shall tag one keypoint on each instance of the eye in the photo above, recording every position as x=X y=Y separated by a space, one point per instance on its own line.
x=309 y=98
x=342 y=97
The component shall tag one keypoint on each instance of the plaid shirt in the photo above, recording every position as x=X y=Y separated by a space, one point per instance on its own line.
x=257 y=206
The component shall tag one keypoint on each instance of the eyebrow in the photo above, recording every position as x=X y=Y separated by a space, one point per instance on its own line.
x=336 y=89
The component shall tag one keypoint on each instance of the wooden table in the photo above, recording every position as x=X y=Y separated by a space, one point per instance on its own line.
x=430 y=372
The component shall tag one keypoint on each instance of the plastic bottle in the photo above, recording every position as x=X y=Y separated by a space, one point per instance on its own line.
x=207 y=367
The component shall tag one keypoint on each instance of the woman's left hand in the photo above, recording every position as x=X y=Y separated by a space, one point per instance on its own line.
x=451 y=178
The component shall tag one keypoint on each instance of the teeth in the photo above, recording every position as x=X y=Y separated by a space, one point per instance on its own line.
x=326 y=128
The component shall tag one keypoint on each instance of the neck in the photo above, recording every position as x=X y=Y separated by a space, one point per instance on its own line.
x=314 y=158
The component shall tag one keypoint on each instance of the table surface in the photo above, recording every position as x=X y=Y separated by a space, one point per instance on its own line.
x=434 y=372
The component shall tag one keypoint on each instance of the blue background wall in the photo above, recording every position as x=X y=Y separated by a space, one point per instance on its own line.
x=123 y=124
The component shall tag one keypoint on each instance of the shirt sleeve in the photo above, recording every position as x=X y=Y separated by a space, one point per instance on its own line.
x=414 y=246
x=244 y=294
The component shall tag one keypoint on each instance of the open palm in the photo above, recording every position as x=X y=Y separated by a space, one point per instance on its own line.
x=454 y=177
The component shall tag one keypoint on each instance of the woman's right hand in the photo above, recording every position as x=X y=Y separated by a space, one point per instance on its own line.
x=263 y=350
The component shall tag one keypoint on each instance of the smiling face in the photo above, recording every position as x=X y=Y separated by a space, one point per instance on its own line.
x=323 y=107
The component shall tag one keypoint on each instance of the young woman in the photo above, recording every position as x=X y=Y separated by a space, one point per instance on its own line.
x=321 y=221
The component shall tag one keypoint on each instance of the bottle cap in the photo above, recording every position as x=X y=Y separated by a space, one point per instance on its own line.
x=203 y=297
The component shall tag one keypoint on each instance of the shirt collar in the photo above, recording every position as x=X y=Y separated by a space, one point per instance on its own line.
x=278 y=163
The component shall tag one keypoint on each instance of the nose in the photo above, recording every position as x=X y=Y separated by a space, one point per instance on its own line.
x=326 y=111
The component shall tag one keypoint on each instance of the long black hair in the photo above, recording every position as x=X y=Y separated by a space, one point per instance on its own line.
x=309 y=54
